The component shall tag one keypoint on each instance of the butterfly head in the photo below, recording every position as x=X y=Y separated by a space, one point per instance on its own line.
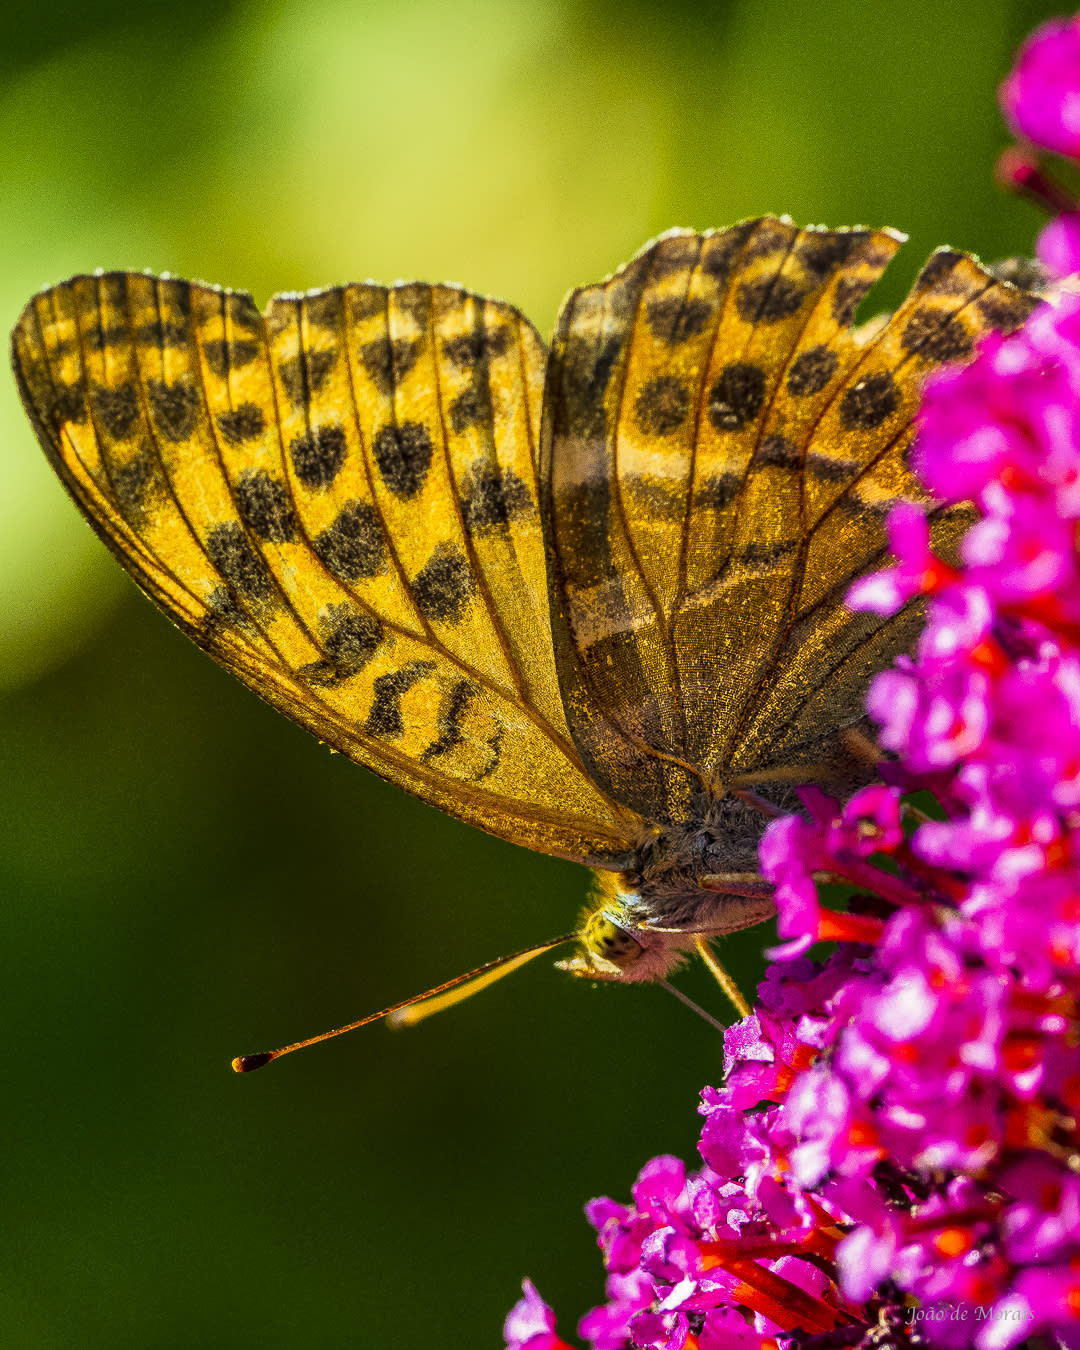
x=613 y=944
x=687 y=881
x=607 y=951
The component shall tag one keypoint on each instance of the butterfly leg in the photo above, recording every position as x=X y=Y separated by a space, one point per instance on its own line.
x=750 y=884
x=861 y=747
x=909 y=812
x=723 y=979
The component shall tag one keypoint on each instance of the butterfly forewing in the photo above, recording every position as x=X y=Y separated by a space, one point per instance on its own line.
x=339 y=502
x=719 y=454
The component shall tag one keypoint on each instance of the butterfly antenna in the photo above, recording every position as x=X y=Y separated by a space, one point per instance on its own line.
x=723 y=979
x=415 y=1009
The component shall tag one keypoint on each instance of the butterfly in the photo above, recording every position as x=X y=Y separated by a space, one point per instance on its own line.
x=589 y=599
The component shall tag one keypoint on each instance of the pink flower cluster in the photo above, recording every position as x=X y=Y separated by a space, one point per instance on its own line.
x=893 y=1157
x=1041 y=102
x=897 y=1134
x=734 y=1254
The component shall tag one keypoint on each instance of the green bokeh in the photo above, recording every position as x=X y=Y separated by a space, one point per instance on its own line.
x=186 y=875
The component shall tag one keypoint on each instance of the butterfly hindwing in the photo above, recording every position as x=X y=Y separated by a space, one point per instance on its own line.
x=719 y=452
x=855 y=470
x=339 y=502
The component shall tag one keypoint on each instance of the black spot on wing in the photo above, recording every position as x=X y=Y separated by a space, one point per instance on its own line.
x=674 y=320
x=231 y=553
x=585 y=370
x=403 y=455
x=351 y=639
x=244 y=423
x=766 y=557
x=162 y=333
x=241 y=309
x=388 y=362
x=828 y=469
x=471 y=349
x=493 y=497
x=811 y=371
x=849 y=294
x=720 y=251
x=736 y=397
x=365 y=302
x=452 y=712
x=656 y=498
x=325 y=310
x=115 y=288
x=265 y=507
x=222 y=356
x=117 y=410
x=870 y=402
x=718 y=492
x=318 y=455
x=178 y=294
x=756 y=560
x=137 y=482
x=661 y=405
x=175 y=406
x=472 y=407
x=223 y=611
x=676 y=253
x=354 y=545
x=385 y=717
x=305 y=374
x=64 y=403
x=415 y=300
x=1006 y=309
x=769 y=237
x=852 y=505
x=622 y=293
x=932 y=337
x=1022 y=274
x=494 y=748
x=821 y=253
x=936 y=275
x=584 y=541
x=769 y=299
x=777 y=452
x=98 y=338
x=444 y=586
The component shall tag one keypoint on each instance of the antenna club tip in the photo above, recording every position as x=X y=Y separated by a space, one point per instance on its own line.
x=246 y=1063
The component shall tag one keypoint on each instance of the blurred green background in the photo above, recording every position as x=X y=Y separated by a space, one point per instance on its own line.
x=185 y=875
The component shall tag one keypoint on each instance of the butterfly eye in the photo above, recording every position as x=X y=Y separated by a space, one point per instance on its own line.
x=611 y=942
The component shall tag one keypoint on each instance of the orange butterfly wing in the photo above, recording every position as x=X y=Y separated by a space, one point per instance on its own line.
x=338 y=501
x=718 y=455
